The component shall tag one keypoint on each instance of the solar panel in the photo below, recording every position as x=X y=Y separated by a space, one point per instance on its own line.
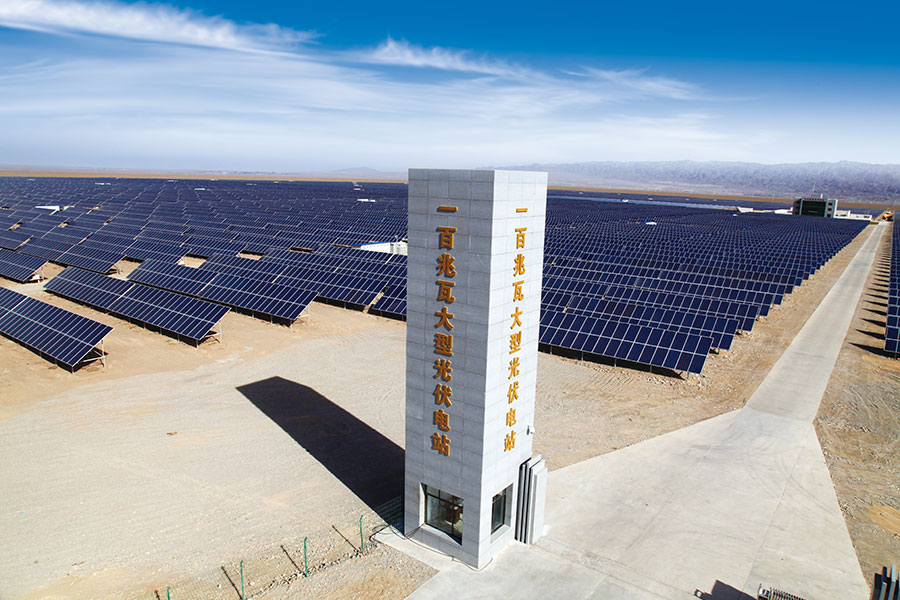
x=19 y=267
x=8 y=299
x=91 y=259
x=281 y=301
x=56 y=333
x=44 y=248
x=629 y=342
x=13 y=239
x=187 y=317
x=177 y=278
x=88 y=287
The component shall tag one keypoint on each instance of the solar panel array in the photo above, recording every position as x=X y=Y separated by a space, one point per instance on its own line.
x=658 y=284
x=19 y=267
x=703 y=274
x=246 y=293
x=58 y=334
x=892 y=330
x=174 y=313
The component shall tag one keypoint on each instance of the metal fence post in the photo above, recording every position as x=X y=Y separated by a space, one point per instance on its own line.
x=362 y=542
x=305 y=562
x=168 y=596
x=242 y=581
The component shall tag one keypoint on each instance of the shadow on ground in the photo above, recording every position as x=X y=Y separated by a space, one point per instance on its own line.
x=723 y=591
x=879 y=351
x=364 y=460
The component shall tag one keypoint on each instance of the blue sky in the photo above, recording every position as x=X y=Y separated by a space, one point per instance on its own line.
x=298 y=87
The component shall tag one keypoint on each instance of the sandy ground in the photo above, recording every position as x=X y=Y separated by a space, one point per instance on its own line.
x=172 y=464
x=859 y=427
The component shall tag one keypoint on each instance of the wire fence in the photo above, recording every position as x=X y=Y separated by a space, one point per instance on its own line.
x=313 y=554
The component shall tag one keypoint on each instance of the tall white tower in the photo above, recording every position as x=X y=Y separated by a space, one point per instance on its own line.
x=476 y=247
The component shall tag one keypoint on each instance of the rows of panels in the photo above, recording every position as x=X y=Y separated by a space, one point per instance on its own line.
x=635 y=343
x=721 y=329
x=696 y=272
x=62 y=335
x=684 y=267
x=892 y=329
x=180 y=315
x=255 y=295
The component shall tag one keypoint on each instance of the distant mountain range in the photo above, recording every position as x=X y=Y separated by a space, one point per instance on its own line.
x=846 y=181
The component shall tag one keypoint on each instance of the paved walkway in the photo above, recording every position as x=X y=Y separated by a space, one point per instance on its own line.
x=710 y=510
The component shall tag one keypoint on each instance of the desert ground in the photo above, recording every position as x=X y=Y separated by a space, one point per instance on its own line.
x=172 y=464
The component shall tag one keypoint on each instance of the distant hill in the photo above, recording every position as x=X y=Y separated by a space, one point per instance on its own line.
x=846 y=181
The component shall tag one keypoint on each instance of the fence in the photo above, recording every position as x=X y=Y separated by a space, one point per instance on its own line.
x=306 y=557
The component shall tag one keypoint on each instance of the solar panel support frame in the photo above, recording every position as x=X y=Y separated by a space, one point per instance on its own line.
x=101 y=356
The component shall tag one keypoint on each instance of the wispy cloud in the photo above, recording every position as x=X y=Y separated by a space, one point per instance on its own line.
x=637 y=80
x=403 y=54
x=151 y=22
x=274 y=105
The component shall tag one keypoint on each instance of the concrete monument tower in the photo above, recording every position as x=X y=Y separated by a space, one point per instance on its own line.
x=475 y=261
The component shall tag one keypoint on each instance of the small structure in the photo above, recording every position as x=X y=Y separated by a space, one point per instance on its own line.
x=815 y=207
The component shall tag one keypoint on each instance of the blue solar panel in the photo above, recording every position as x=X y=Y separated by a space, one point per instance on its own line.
x=281 y=301
x=13 y=239
x=19 y=267
x=56 y=333
x=177 y=278
x=91 y=259
x=187 y=317
x=88 y=287
x=44 y=248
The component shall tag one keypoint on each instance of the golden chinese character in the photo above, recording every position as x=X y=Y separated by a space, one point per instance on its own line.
x=441 y=443
x=442 y=420
x=445 y=317
x=513 y=392
x=509 y=442
x=510 y=417
x=513 y=368
x=515 y=342
x=445 y=291
x=445 y=238
x=519 y=267
x=443 y=369
x=443 y=343
x=520 y=237
x=515 y=316
x=517 y=290
x=445 y=265
x=442 y=394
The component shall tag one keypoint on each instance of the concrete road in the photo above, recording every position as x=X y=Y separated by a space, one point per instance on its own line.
x=712 y=510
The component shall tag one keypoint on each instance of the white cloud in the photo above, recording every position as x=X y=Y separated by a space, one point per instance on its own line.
x=151 y=22
x=402 y=53
x=201 y=108
x=639 y=82
x=185 y=103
